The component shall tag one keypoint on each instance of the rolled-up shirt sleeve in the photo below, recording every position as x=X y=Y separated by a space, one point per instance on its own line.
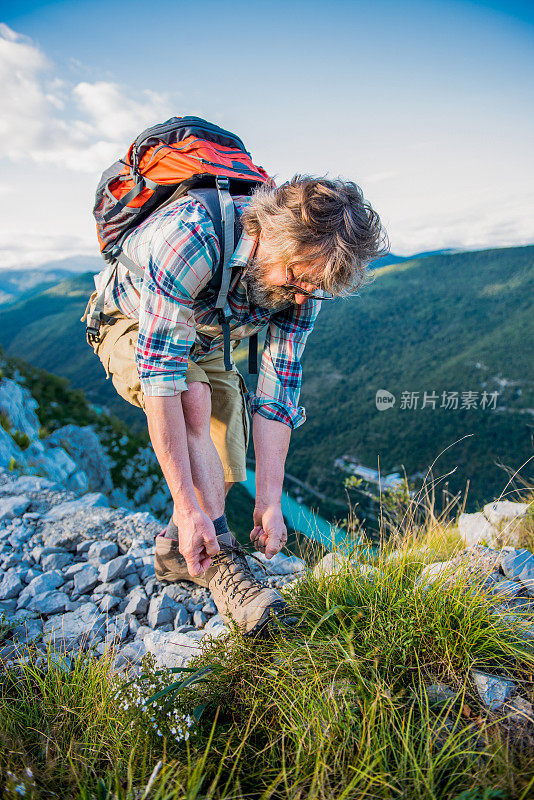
x=280 y=375
x=179 y=257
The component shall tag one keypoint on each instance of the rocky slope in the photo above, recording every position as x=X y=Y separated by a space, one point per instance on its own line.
x=78 y=574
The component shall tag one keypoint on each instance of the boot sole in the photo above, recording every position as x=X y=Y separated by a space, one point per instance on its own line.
x=174 y=577
x=266 y=618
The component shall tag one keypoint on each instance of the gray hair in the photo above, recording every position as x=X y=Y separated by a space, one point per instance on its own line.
x=321 y=222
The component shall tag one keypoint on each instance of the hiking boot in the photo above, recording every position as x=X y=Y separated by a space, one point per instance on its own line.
x=169 y=563
x=239 y=596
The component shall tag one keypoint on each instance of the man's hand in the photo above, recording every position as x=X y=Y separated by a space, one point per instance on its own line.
x=197 y=541
x=269 y=534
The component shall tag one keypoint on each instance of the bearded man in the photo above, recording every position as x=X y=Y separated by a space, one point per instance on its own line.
x=302 y=243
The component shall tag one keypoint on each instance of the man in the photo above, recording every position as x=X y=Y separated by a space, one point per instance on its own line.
x=305 y=241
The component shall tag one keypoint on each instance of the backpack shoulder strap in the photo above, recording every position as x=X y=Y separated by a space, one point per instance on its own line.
x=220 y=208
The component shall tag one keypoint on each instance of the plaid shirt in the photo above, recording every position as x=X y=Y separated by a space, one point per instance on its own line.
x=177 y=246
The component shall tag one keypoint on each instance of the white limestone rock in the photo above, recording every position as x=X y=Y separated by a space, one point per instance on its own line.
x=11 y=586
x=11 y=507
x=493 y=691
x=85 y=580
x=91 y=500
x=49 y=603
x=83 y=446
x=84 y=626
x=19 y=407
x=100 y=552
x=117 y=567
x=518 y=565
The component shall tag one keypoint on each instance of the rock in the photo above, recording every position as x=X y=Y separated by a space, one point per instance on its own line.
x=181 y=618
x=83 y=547
x=142 y=631
x=54 y=561
x=13 y=506
x=85 y=580
x=199 y=619
x=209 y=608
x=433 y=572
x=476 y=529
x=504 y=510
x=100 y=552
x=9 y=450
x=497 y=522
x=134 y=625
x=131 y=653
x=146 y=572
x=507 y=589
x=49 y=603
x=137 y=602
x=13 y=560
x=29 y=630
x=8 y=607
x=31 y=483
x=108 y=603
x=493 y=691
x=73 y=569
x=116 y=568
x=214 y=622
x=93 y=500
x=280 y=564
x=519 y=710
x=162 y=610
x=440 y=694
x=172 y=649
x=19 y=407
x=11 y=586
x=330 y=565
x=53 y=463
x=132 y=580
x=118 y=629
x=32 y=573
x=116 y=588
x=82 y=627
x=46 y=582
x=83 y=446
x=77 y=482
x=518 y=565
x=175 y=592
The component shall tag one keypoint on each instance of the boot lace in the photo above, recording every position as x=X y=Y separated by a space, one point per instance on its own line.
x=234 y=571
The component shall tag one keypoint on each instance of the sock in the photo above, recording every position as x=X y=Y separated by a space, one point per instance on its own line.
x=222 y=531
x=171 y=531
x=221 y=525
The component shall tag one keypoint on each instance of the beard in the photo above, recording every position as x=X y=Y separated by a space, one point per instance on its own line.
x=259 y=292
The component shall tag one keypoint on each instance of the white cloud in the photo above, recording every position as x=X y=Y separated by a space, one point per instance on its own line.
x=80 y=127
x=25 y=249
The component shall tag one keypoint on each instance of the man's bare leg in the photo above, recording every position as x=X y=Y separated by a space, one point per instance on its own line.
x=206 y=469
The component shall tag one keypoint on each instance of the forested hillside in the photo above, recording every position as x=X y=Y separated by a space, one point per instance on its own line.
x=458 y=322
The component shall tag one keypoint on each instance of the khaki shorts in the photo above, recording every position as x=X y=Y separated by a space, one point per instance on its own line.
x=229 y=426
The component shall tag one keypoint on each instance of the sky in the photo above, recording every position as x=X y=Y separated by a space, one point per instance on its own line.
x=428 y=106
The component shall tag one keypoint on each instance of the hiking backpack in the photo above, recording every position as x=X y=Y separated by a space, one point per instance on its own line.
x=184 y=155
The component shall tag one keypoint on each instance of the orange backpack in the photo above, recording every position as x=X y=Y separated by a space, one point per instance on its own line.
x=182 y=155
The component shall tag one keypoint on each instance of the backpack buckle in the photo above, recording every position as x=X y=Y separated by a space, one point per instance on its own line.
x=222 y=182
x=93 y=335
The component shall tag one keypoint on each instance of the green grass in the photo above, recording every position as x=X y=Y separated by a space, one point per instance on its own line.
x=334 y=707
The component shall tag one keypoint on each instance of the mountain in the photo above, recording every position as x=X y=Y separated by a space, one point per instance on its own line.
x=44 y=329
x=15 y=283
x=391 y=258
x=455 y=322
x=437 y=323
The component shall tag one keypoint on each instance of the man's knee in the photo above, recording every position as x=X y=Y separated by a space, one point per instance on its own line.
x=196 y=405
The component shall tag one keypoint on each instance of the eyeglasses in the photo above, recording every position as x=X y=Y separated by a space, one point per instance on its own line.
x=319 y=295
